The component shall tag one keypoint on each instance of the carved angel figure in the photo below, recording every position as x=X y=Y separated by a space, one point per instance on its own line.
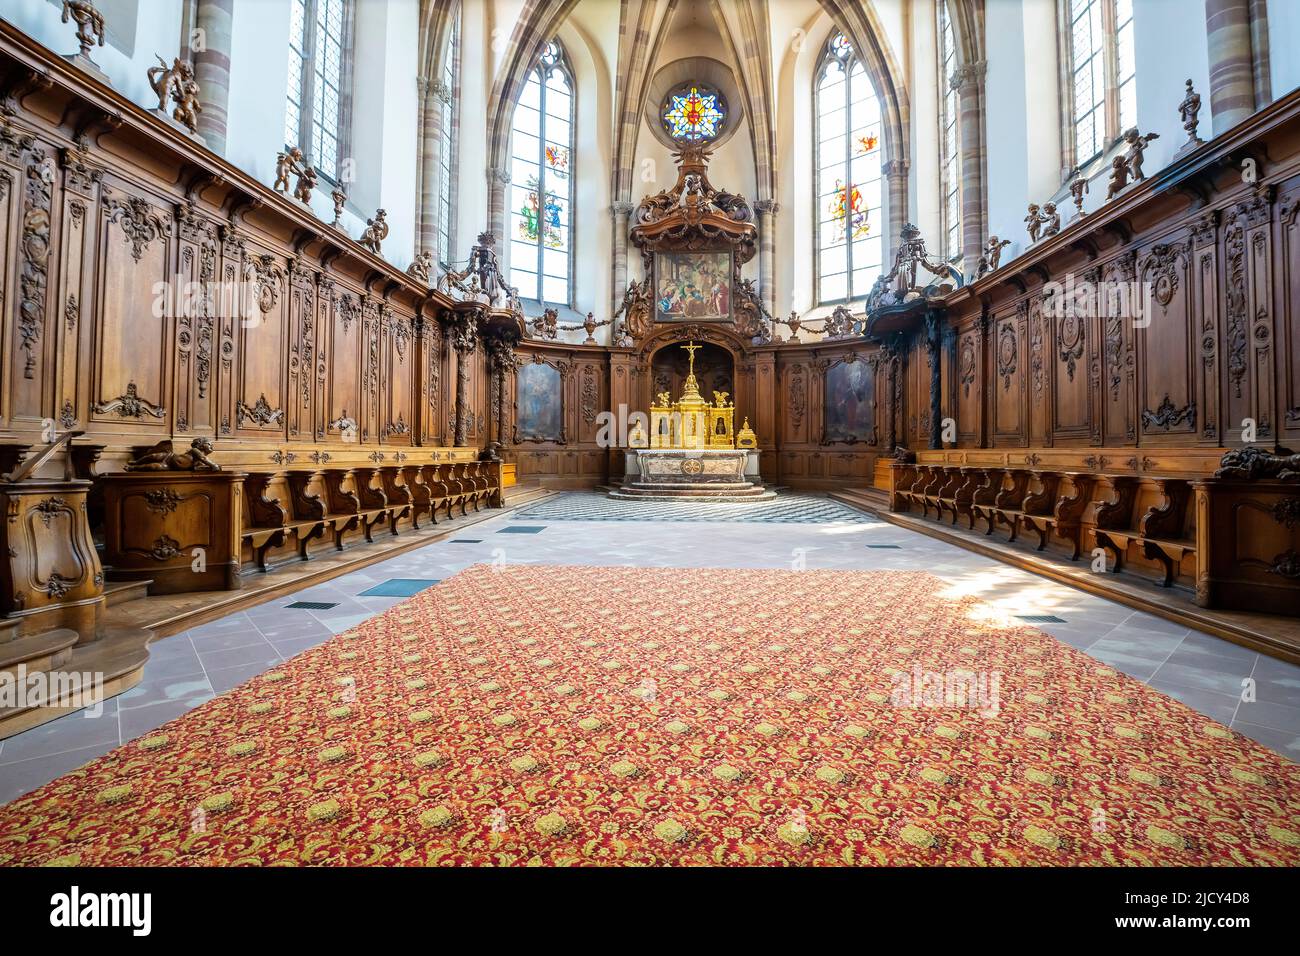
x=991 y=255
x=1137 y=145
x=1078 y=188
x=186 y=96
x=1118 y=177
x=90 y=23
x=421 y=267
x=286 y=165
x=1051 y=220
x=1034 y=222
x=162 y=78
x=306 y=183
x=161 y=457
x=376 y=232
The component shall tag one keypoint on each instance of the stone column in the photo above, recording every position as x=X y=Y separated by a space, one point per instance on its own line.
x=767 y=210
x=498 y=185
x=1232 y=68
x=621 y=211
x=968 y=81
x=212 y=68
x=896 y=176
x=464 y=338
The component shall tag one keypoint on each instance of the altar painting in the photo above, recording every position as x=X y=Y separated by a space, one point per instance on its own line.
x=539 y=408
x=850 y=403
x=693 y=287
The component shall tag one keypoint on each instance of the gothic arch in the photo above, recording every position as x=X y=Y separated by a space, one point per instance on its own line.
x=436 y=20
x=537 y=23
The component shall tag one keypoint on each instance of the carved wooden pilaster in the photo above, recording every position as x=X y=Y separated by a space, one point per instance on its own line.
x=464 y=338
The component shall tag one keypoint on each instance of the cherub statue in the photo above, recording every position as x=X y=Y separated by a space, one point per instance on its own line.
x=1252 y=463
x=1078 y=187
x=1137 y=145
x=992 y=255
x=1051 y=219
x=161 y=457
x=306 y=183
x=1188 y=110
x=339 y=197
x=1118 y=177
x=661 y=400
x=90 y=23
x=1034 y=221
x=421 y=267
x=162 y=78
x=186 y=96
x=376 y=232
x=720 y=399
x=286 y=165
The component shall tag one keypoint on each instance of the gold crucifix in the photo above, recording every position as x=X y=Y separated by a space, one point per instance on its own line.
x=691 y=348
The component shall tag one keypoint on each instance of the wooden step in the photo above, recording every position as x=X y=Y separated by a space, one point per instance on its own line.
x=119 y=592
x=8 y=628
x=868 y=499
x=37 y=652
x=118 y=658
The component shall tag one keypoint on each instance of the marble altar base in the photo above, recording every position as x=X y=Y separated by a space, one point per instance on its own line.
x=701 y=474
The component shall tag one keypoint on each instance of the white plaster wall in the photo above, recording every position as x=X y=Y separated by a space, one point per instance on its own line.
x=157 y=31
x=1283 y=42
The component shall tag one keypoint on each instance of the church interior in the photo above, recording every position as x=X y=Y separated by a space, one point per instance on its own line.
x=767 y=433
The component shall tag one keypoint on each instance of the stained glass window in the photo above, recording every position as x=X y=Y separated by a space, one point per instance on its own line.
x=692 y=114
x=447 y=140
x=313 y=117
x=950 y=154
x=848 y=176
x=541 y=191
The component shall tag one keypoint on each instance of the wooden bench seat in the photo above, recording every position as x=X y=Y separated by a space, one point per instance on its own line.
x=1161 y=533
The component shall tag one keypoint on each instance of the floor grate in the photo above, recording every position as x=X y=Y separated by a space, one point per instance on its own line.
x=1040 y=618
x=312 y=605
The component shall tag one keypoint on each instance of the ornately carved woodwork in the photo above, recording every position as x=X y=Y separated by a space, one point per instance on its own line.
x=140 y=222
x=130 y=405
x=35 y=244
x=260 y=413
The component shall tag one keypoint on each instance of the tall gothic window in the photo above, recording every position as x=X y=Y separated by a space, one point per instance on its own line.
x=848 y=177
x=1102 y=74
x=950 y=154
x=447 y=140
x=541 y=235
x=315 y=117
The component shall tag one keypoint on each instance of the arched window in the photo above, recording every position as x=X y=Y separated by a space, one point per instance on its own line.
x=1099 y=60
x=847 y=182
x=447 y=140
x=317 y=112
x=541 y=234
x=950 y=153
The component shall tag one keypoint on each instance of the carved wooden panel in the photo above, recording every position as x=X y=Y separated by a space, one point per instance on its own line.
x=1288 y=320
x=1168 y=355
x=343 y=380
x=1009 y=377
x=398 y=383
x=132 y=349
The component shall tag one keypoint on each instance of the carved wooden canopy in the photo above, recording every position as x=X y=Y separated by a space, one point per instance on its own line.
x=694 y=215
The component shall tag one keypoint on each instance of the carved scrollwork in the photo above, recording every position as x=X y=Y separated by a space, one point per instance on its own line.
x=130 y=405
x=141 y=224
x=1166 y=415
x=259 y=413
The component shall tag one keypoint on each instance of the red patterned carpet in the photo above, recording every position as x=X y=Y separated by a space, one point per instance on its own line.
x=560 y=715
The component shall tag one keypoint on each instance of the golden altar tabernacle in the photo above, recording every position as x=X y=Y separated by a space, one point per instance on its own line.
x=692 y=422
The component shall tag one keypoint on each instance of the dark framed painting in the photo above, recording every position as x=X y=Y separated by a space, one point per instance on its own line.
x=539 y=403
x=693 y=286
x=850 y=403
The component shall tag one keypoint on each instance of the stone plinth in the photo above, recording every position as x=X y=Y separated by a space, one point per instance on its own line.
x=696 y=473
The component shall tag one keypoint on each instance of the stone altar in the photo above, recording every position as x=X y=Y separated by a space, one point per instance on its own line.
x=709 y=474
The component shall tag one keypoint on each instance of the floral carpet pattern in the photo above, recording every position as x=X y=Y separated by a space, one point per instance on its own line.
x=560 y=715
